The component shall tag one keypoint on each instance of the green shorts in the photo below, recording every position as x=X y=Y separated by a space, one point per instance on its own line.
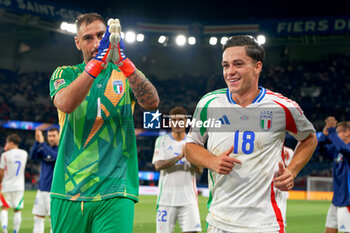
x=106 y=216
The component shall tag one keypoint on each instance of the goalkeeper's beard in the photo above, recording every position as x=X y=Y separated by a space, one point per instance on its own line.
x=93 y=54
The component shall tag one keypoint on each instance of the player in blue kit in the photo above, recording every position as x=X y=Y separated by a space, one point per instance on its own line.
x=335 y=143
x=47 y=153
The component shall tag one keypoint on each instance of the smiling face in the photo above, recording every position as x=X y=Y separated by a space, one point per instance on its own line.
x=88 y=38
x=241 y=72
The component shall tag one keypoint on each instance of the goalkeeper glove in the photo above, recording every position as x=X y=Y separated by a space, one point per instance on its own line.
x=94 y=67
x=119 y=58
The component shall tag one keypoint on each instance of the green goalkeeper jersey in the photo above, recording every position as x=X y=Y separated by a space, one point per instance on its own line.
x=97 y=155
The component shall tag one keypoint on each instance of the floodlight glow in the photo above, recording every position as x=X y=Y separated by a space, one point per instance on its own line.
x=140 y=37
x=261 y=39
x=69 y=27
x=213 y=40
x=223 y=40
x=130 y=36
x=122 y=35
x=162 y=39
x=180 y=40
x=192 y=40
x=64 y=26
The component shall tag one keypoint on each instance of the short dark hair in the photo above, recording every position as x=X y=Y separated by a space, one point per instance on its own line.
x=88 y=18
x=14 y=138
x=178 y=111
x=253 y=49
x=53 y=129
x=344 y=124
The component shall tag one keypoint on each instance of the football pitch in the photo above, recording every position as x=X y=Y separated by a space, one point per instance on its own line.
x=302 y=216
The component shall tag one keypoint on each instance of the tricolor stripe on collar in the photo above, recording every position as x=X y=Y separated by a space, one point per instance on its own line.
x=256 y=100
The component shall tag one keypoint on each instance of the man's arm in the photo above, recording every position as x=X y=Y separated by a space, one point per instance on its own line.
x=47 y=153
x=198 y=170
x=144 y=91
x=162 y=164
x=302 y=154
x=34 y=151
x=69 y=98
x=324 y=145
x=199 y=156
x=1 y=175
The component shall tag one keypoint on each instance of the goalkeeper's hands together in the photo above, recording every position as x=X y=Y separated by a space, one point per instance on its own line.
x=118 y=49
x=111 y=47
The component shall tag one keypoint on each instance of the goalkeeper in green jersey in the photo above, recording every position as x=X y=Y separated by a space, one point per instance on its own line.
x=95 y=183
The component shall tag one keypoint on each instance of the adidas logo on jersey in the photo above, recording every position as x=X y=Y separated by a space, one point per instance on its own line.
x=224 y=120
x=170 y=148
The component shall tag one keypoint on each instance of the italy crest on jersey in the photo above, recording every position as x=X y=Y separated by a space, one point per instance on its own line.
x=265 y=120
x=118 y=87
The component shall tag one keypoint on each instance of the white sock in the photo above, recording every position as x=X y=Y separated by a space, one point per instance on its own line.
x=17 y=219
x=38 y=225
x=4 y=220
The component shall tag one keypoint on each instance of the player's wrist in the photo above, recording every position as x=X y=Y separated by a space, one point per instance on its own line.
x=94 y=67
x=126 y=66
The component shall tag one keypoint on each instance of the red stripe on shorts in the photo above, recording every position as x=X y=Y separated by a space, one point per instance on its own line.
x=3 y=201
x=277 y=210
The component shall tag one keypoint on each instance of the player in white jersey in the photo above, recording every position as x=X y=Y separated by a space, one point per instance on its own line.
x=12 y=169
x=244 y=152
x=177 y=197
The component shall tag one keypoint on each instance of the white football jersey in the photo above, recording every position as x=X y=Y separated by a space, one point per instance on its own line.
x=246 y=200
x=177 y=184
x=14 y=163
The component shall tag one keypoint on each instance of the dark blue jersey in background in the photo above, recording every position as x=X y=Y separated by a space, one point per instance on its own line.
x=47 y=155
x=333 y=147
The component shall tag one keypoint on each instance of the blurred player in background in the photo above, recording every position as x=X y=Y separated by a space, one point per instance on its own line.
x=47 y=154
x=12 y=171
x=95 y=183
x=335 y=143
x=244 y=154
x=177 y=197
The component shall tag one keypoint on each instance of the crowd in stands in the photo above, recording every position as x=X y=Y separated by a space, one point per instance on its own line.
x=321 y=88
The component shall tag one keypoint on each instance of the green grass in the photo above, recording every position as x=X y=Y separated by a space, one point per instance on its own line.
x=302 y=216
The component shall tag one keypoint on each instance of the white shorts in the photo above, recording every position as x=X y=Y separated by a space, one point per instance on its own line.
x=42 y=204
x=187 y=216
x=212 y=229
x=338 y=218
x=12 y=199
